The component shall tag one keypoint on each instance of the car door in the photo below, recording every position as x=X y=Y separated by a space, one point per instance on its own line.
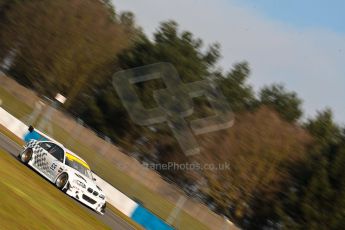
x=57 y=161
x=49 y=159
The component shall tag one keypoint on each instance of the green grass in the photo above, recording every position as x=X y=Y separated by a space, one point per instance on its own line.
x=107 y=170
x=14 y=106
x=27 y=201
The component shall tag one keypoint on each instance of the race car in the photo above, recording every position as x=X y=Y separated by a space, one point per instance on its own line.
x=66 y=170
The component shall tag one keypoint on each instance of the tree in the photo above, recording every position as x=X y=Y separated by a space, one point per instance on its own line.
x=324 y=129
x=259 y=149
x=235 y=88
x=317 y=200
x=169 y=45
x=179 y=48
x=287 y=104
x=59 y=48
x=5 y=7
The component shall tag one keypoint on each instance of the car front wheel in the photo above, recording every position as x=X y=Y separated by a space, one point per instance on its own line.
x=103 y=208
x=61 y=181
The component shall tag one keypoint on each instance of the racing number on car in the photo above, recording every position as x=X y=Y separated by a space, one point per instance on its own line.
x=53 y=166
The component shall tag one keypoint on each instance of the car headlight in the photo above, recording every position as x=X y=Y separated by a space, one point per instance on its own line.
x=81 y=184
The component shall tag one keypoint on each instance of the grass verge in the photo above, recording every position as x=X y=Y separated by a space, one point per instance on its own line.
x=27 y=201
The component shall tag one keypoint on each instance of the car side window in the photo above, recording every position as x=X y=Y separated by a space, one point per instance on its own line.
x=45 y=145
x=55 y=150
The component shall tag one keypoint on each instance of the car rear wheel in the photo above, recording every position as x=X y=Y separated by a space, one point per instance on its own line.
x=26 y=156
x=61 y=181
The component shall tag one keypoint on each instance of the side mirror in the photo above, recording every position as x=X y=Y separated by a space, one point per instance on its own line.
x=94 y=179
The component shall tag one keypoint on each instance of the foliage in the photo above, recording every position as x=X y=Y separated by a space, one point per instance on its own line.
x=317 y=198
x=287 y=104
x=238 y=93
x=60 y=49
x=259 y=150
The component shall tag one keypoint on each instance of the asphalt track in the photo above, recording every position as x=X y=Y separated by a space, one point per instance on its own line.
x=109 y=218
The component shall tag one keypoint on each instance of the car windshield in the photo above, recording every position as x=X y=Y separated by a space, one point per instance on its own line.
x=79 y=166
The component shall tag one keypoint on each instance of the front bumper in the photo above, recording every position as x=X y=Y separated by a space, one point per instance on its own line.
x=87 y=199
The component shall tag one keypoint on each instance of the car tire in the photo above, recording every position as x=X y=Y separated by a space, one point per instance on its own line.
x=61 y=181
x=26 y=156
x=103 y=208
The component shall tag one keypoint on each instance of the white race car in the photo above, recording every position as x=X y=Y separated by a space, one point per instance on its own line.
x=67 y=171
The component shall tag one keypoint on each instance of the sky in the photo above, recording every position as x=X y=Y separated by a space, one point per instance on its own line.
x=298 y=43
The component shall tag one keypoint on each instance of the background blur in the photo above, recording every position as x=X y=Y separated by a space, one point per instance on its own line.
x=285 y=172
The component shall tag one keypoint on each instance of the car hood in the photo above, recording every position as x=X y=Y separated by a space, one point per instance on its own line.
x=75 y=175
